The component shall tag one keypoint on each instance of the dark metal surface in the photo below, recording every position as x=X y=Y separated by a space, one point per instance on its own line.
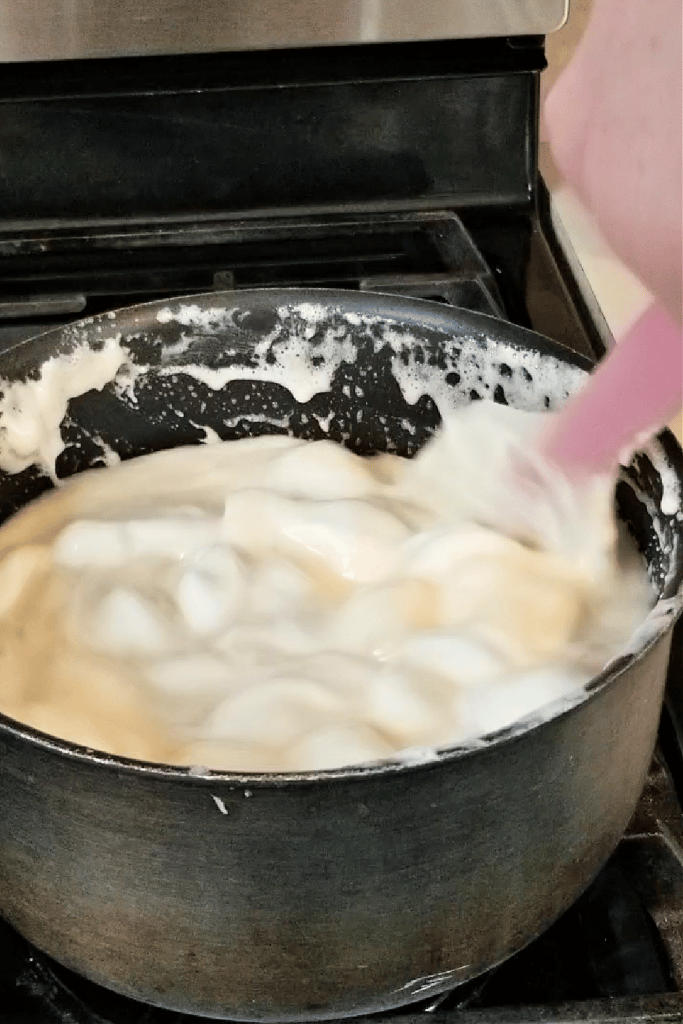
x=675 y=704
x=13 y=307
x=388 y=128
x=327 y=894
x=616 y=954
x=430 y=254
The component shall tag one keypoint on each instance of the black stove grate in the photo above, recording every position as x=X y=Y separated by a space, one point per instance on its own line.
x=428 y=255
x=504 y=265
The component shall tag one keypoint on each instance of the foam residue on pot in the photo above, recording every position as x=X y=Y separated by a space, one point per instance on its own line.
x=32 y=411
x=306 y=344
x=300 y=347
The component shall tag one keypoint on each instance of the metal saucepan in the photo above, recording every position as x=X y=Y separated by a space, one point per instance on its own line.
x=333 y=893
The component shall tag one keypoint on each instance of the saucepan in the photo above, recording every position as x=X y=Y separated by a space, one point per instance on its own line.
x=325 y=894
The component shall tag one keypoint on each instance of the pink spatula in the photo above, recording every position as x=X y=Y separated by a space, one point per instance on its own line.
x=631 y=395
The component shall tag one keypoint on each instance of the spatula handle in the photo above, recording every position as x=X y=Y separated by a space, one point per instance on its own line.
x=632 y=394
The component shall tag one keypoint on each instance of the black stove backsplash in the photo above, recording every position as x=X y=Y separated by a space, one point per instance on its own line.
x=432 y=124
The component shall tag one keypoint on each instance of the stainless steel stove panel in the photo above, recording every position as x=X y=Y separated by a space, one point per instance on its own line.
x=38 y=30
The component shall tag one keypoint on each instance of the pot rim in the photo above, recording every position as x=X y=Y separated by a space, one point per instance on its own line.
x=659 y=621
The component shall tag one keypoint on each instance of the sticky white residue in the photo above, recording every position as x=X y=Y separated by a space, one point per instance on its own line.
x=109 y=456
x=362 y=319
x=219 y=804
x=654 y=625
x=296 y=356
x=210 y=435
x=32 y=411
x=325 y=421
x=312 y=312
x=179 y=348
x=477 y=371
x=293 y=354
x=284 y=356
x=239 y=419
x=190 y=315
x=671 y=503
x=417 y=755
x=127 y=377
